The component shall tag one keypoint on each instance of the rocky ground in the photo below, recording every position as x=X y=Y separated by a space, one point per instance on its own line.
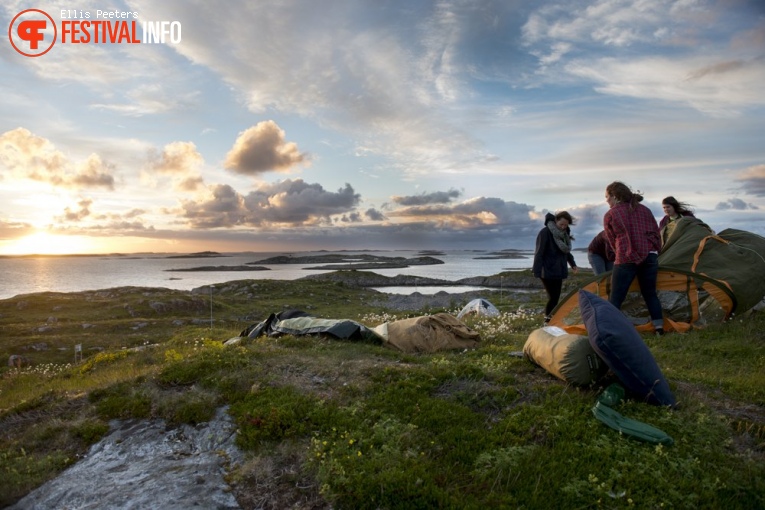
x=143 y=465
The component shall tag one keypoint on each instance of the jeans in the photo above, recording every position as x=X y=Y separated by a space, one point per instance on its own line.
x=646 y=273
x=599 y=264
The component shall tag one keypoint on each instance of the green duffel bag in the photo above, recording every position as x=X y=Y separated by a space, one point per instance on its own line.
x=568 y=357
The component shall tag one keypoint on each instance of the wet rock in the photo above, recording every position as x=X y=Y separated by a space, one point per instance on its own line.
x=141 y=464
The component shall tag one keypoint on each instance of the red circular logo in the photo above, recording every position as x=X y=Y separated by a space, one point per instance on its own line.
x=29 y=35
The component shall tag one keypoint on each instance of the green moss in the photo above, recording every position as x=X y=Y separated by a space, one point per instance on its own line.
x=123 y=400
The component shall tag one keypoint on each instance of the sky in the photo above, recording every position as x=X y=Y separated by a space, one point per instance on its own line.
x=289 y=125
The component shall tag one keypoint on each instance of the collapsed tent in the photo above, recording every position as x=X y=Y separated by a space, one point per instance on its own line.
x=479 y=307
x=703 y=277
x=428 y=333
x=297 y=323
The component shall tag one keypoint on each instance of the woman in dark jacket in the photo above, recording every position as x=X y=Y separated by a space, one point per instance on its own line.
x=553 y=255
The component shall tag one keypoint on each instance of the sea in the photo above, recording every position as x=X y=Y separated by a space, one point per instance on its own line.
x=75 y=273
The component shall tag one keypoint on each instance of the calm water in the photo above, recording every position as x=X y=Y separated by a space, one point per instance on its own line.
x=72 y=274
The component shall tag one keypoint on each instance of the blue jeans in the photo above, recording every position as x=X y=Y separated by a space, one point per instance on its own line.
x=599 y=264
x=646 y=273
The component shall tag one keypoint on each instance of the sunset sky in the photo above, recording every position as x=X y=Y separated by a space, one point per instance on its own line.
x=349 y=124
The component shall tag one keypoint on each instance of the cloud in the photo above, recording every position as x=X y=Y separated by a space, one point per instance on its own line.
x=262 y=148
x=439 y=197
x=92 y=173
x=736 y=204
x=667 y=51
x=615 y=23
x=77 y=215
x=285 y=204
x=181 y=161
x=14 y=229
x=374 y=215
x=753 y=180
x=718 y=68
x=353 y=217
x=32 y=157
x=148 y=99
x=688 y=82
x=478 y=212
x=383 y=82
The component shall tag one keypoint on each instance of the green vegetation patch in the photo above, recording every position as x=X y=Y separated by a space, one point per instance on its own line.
x=122 y=400
x=354 y=425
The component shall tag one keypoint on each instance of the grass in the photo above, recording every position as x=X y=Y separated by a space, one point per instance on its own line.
x=335 y=424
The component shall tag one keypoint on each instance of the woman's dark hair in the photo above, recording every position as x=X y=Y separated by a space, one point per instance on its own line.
x=679 y=207
x=624 y=193
x=571 y=220
x=565 y=215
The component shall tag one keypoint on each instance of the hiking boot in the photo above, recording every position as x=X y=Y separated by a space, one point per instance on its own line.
x=546 y=321
x=659 y=332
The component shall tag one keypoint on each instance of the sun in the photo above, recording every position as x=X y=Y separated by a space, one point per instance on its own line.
x=43 y=243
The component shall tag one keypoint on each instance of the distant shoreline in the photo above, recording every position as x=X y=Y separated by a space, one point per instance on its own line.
x=507 y=253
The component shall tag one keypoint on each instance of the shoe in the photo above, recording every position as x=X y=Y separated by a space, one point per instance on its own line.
x=546 y=321
x=659 y=332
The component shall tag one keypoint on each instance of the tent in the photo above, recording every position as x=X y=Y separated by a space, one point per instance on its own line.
x=703 y=277
x=479 y=307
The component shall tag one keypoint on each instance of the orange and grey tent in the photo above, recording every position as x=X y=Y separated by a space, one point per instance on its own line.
x=703 y=278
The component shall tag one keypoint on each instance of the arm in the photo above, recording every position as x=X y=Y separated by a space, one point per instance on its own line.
x=572 y=262
x=539 y=250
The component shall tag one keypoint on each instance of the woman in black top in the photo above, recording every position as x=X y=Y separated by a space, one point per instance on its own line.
x=553 y=255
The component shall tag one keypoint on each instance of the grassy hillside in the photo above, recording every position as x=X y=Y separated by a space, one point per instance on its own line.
x=336 y=424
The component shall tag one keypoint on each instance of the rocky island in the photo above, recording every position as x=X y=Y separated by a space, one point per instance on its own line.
x=347 y=261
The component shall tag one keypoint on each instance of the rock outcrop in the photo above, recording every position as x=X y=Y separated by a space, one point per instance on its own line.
x=142 y=464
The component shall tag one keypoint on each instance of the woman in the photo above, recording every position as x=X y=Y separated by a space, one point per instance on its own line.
x=673 y=211
x=551 y=256
x=600 y=255
x=632 y=231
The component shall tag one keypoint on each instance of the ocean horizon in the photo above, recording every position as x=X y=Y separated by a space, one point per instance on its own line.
x=27 y=274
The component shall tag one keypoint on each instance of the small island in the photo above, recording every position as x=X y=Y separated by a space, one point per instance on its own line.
x=221 y=268
x=503 y=254
x=197 y=255
x=335 y=261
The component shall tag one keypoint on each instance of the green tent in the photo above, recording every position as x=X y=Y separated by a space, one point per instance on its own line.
x=703 y=277
x=735 y=257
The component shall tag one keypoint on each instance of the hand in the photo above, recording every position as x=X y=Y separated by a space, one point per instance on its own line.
x=575 y=269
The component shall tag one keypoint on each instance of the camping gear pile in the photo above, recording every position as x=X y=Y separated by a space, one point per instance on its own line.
x=427 y=333
x=612 y=343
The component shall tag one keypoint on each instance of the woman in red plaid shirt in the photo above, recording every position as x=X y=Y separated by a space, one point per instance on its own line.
x=632 y=231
